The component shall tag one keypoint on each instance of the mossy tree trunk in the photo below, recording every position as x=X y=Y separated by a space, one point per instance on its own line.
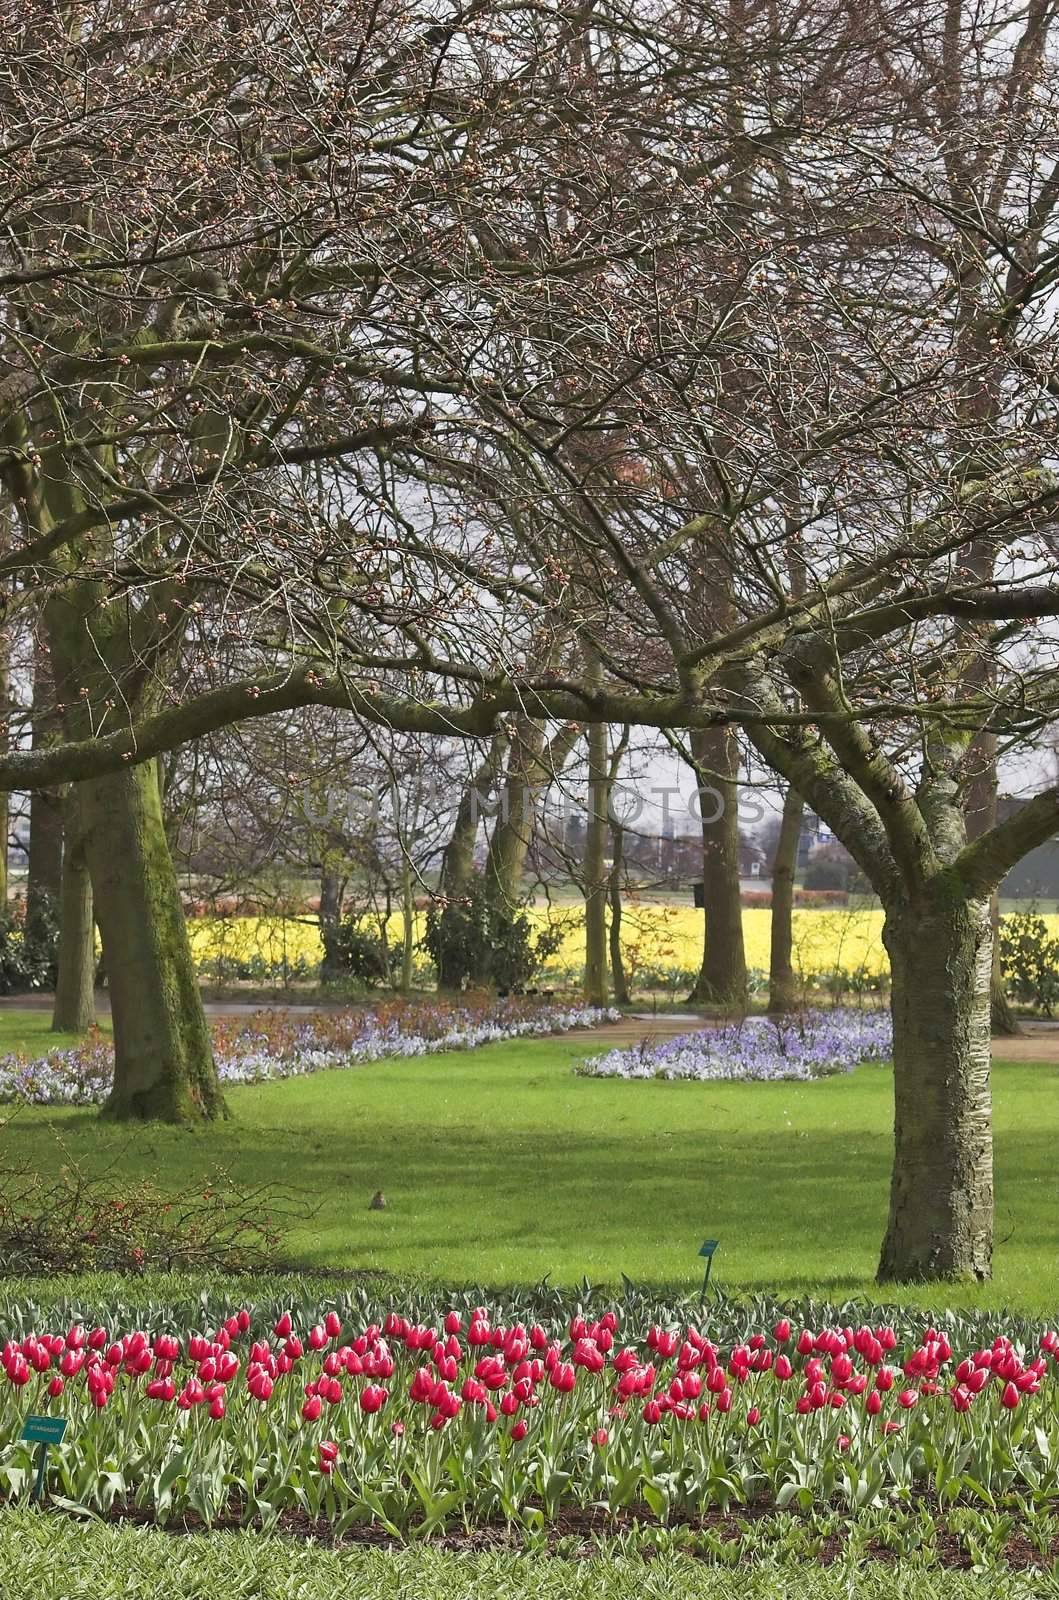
x=164 y=1066
x=783 y=986
x=941 y=1200
x=75 y=997
x=722 y=975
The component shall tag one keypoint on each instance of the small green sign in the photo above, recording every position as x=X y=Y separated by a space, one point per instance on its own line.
x=44 y=1430
x=707 y=1247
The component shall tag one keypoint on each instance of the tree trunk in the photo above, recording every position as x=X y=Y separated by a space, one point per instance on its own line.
x=941 y=1200
x=595 y=870
x=722 y=976
x=328 y=916
x=408 y=913
x=75 y=996
x=617 y=962
x=457 y=863
x=45 y=864
x=783 y=986
x=164 y=1065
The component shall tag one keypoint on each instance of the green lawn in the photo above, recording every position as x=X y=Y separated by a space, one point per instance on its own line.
x=499 y=1166
x=49 y=1556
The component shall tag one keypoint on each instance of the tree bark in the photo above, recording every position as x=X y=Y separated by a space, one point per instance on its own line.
x=722 y=976
x=532 y=765
x=45 y=863
x=619 y=981
x=783 y=986
x=75 y=995
x=595 y=871
x=164 y=1065
x=328 y=917
x=941 y=1201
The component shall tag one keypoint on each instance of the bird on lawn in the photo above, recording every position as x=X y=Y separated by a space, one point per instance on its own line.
x=377 y=1201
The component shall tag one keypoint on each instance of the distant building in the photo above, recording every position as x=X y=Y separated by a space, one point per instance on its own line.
x=1036 y=876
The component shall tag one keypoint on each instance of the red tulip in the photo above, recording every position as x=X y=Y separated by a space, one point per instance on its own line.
x=782 y=1331
x=753 y=1417
x=783 y=1369
x=312 y=1408
x=1009 y=1397
x=283 y=1326
x=723 y=1402
x=519 y=1431
x=907 y=1399
x=373 y=1398
x=601 y=1438
x=56 y=1387
x=652 y=1412
x=873 y=1404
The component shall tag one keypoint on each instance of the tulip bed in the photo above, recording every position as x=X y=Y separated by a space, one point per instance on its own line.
x=531 y=1417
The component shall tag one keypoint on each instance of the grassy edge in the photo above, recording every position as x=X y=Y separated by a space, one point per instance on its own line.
x=53 y=1556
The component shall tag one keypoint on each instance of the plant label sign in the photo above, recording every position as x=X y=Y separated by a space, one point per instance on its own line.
x=707 y=1247
x=43 y=1431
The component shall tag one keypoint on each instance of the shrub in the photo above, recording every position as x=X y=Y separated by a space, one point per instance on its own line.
x=70 y=1221
x=355 y=946
x=1029 y=959
x=477 y=940
x=29 y=948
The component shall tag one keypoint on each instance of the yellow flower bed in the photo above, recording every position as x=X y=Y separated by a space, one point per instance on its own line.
x=653 y=936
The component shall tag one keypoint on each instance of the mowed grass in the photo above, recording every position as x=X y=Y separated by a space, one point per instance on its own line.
x=499 y=1166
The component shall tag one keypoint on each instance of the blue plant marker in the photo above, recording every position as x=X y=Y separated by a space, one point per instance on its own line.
x=706 y=1249
x=43 y=1431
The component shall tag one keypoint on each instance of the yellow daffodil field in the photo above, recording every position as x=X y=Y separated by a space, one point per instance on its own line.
x=656 y=938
